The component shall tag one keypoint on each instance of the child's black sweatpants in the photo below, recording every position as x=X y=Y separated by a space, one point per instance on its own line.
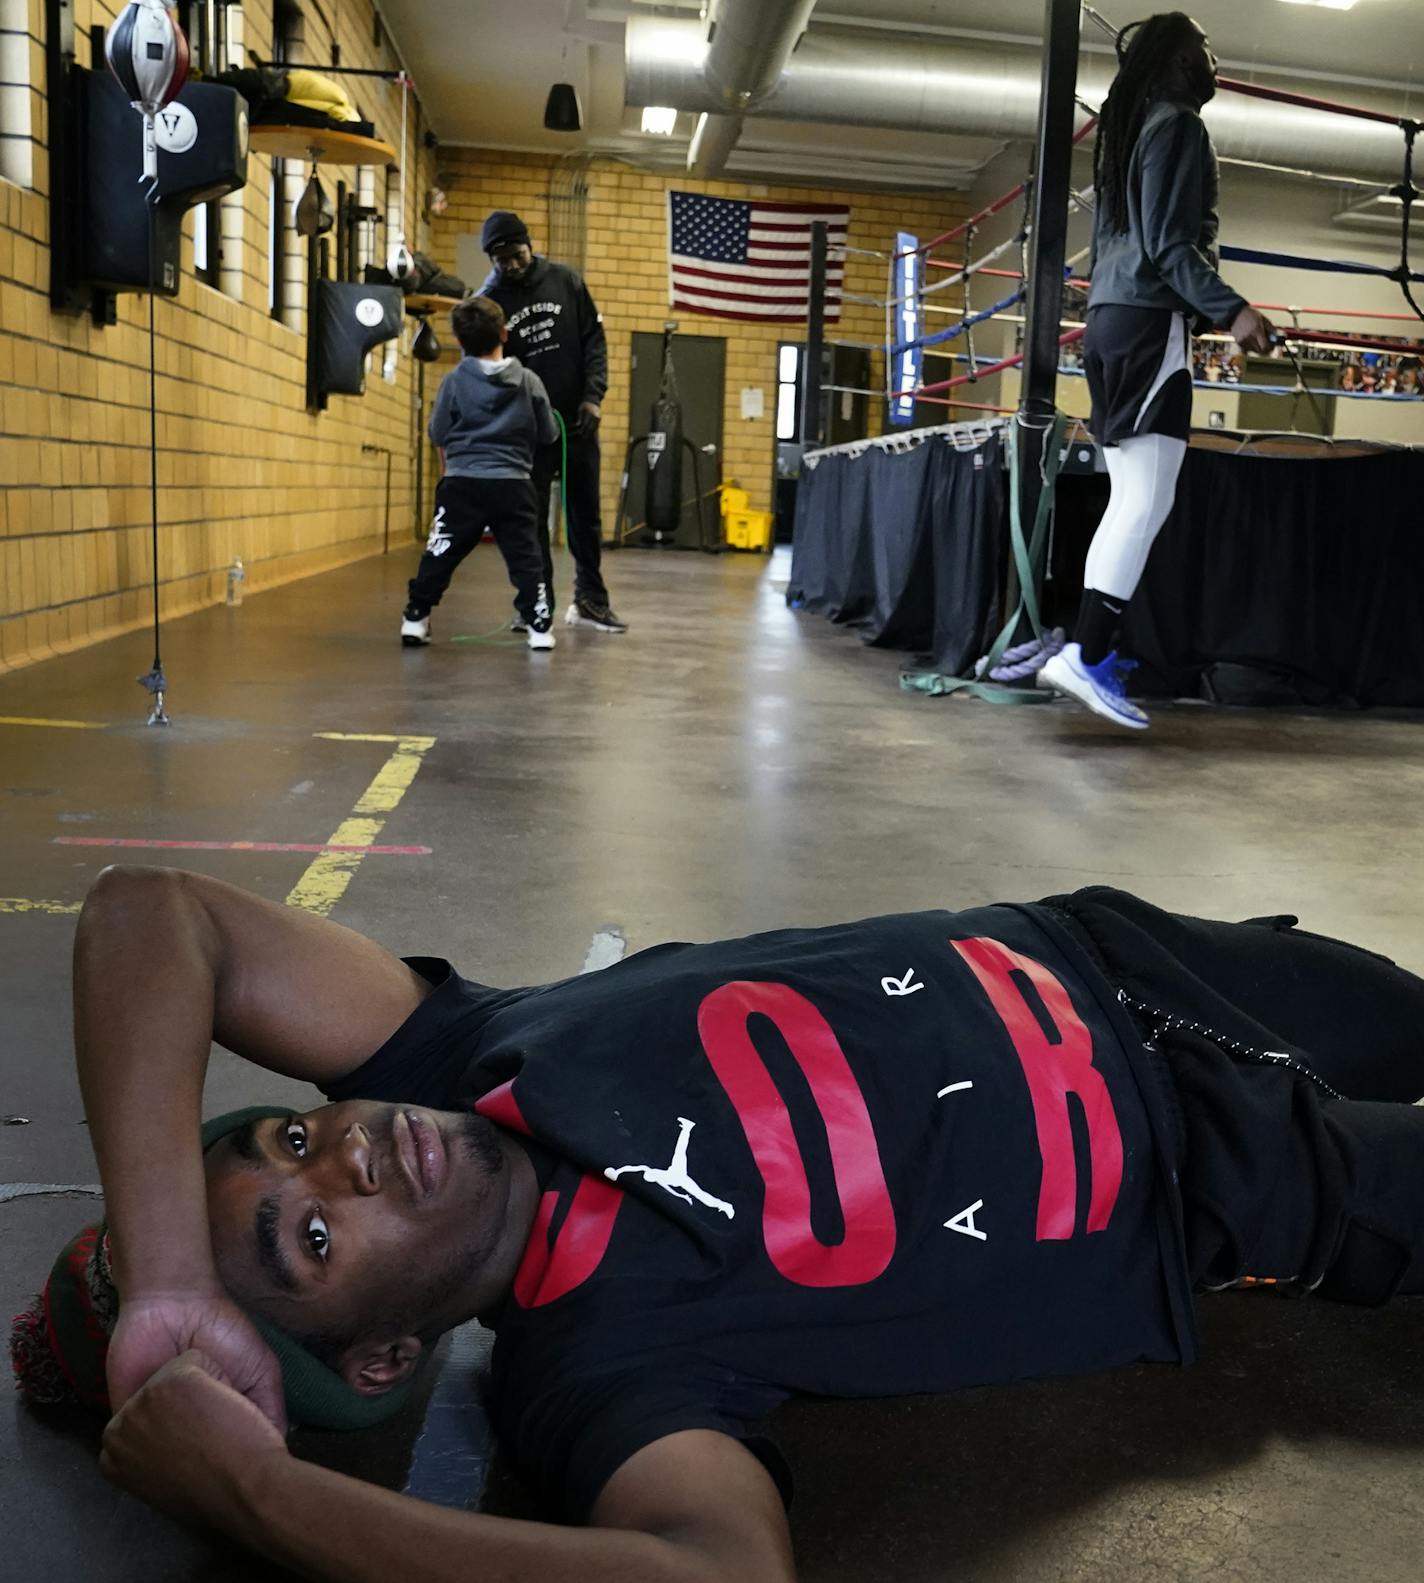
x=464 y=508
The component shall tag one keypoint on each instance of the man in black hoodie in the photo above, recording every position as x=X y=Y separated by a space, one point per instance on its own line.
x=556 y=331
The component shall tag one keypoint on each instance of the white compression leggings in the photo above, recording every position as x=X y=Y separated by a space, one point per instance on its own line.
x=1143 y=470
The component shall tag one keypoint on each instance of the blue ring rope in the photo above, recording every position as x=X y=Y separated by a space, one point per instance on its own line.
x=1327 y=266
x=941 y=336
x=1275 y=390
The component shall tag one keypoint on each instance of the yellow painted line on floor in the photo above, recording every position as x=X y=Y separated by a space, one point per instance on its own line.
x=56 y=725
x=365 y=736
x=327 y=876
x=21 y=904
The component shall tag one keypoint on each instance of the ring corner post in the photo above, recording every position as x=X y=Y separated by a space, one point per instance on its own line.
x=811 y=435
x=1047 y=247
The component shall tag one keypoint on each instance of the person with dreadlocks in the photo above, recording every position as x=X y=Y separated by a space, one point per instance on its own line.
x=1153 y=274
x=908 y=1154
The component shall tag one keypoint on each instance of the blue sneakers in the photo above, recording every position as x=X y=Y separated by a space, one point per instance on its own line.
x=1099 y=687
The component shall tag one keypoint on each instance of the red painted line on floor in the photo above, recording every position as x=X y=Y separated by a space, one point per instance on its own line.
x=237 y=846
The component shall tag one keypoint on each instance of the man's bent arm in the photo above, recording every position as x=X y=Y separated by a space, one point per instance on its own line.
x=692 y=1507
x=696 y=1507
x=164 y=963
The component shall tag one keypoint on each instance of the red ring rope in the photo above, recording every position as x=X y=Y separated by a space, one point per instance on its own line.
x=1364 y=343
x=1330 y=106
x=993 y=208
x=1264 y=307
x=983 y=373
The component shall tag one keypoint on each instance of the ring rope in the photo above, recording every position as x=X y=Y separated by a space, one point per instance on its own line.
x=990 y=209
x=940 y=336
x=1267 y=390
x=960 y=272
x=1406 y=191
x=994 y=368
x=1324 y=266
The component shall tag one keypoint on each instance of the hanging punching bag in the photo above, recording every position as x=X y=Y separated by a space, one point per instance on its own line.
x=426 y=347
x=148 y=54
x=664 y=499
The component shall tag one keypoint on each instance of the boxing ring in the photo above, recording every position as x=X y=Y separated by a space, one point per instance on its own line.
x=963 y=541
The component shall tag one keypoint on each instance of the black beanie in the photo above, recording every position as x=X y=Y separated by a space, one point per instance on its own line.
x=503 y=227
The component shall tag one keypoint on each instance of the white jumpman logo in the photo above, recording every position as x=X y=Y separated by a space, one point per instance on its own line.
x=675 y=1179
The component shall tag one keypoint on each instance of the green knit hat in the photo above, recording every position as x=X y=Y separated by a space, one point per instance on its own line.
x=58 y=1348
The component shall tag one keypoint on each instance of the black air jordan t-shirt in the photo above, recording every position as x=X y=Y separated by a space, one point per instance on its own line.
x=907 y=1154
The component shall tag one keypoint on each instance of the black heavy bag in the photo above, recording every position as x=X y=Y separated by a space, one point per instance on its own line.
x=664 y=499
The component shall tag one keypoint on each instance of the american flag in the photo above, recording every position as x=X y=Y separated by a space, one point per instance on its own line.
x=739 y=260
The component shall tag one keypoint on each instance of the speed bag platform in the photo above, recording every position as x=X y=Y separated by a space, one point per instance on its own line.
x=351 y=319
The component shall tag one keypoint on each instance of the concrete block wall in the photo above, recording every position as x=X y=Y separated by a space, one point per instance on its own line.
x=245 y=470
x=627 y=272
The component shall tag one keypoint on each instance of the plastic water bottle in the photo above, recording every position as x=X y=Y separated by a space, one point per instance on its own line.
x=236 y=577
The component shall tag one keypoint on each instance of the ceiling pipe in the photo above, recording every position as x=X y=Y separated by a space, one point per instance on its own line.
x=748 y=43
x=713 y=139
x=920 y=85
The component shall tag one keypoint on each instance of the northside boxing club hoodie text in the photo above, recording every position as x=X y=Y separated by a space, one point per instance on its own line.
x=556 y=331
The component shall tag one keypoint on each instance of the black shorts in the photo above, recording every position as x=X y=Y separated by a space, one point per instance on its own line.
x=1138 y=362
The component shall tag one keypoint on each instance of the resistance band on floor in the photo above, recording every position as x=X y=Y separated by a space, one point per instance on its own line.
x=1028 y=558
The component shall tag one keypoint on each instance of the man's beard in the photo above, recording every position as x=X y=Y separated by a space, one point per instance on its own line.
x=479 y=1142
x=1201 y=82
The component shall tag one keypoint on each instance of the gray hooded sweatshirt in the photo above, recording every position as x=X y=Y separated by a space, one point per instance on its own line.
x=1166 y=258
x=489 y=419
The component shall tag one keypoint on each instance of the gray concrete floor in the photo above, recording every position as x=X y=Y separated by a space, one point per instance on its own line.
x=726 y=767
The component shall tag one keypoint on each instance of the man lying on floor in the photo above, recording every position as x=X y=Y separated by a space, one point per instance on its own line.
x=909 y=1154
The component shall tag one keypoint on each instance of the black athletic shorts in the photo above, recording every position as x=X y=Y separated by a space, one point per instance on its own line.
x=1138 y=362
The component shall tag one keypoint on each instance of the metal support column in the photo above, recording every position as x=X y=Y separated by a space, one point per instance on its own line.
x=811 y=435
x=1048 y=246
x=420 y=444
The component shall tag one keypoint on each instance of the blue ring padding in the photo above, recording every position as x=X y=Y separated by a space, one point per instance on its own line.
x=958 y=329
x=1273 y=390
x=1326 y=266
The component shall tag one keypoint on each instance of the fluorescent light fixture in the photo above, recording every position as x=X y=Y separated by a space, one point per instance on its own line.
x=659 y=119
x=1326 y=5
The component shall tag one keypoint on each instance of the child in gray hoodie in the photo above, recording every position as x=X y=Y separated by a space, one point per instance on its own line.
x=488 y=418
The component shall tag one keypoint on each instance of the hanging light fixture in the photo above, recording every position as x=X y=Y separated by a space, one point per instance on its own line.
x=562 y=111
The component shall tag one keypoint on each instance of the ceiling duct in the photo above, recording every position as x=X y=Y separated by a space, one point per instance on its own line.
x=922 y=85
x=747 y=45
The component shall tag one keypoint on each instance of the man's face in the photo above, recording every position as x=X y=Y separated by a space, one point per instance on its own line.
x=513 y=260
x=1199 y=66
x=357 y=1216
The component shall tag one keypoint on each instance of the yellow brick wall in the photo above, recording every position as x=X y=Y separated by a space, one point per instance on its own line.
x=245 y=470
x=627 y=275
